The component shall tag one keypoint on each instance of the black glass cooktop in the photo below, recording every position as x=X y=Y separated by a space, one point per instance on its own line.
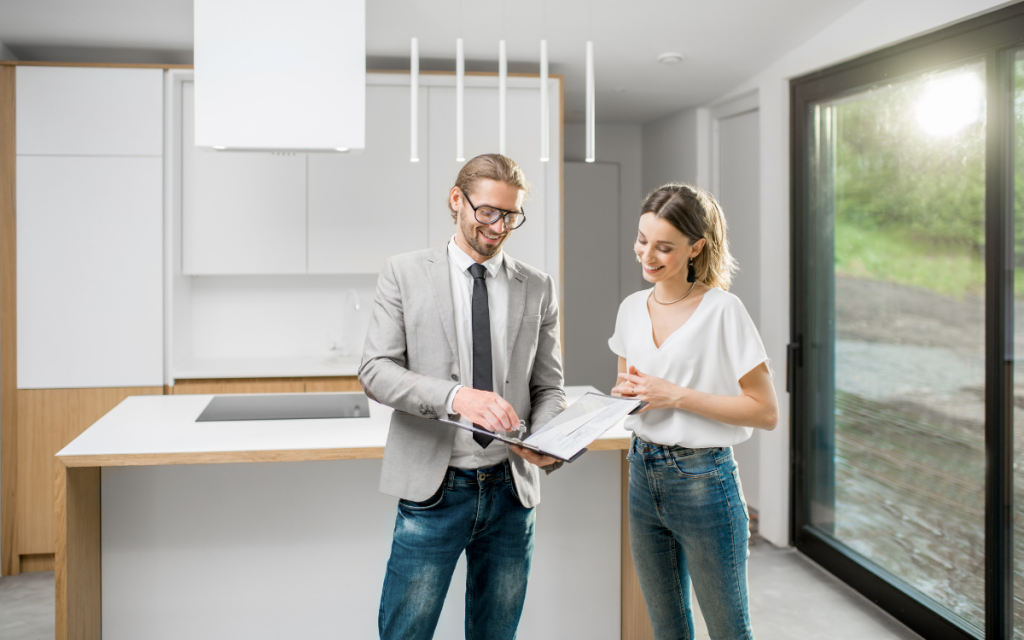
x=286 y=406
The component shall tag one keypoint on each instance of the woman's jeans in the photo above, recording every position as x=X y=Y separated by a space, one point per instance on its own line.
x=688 y=519
x=476 y=511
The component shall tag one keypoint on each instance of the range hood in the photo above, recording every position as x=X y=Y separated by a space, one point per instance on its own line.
x=280 y=75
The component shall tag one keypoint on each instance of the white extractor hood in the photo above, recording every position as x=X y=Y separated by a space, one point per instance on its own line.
x=280 y=74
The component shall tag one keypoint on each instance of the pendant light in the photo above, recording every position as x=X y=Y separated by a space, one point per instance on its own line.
x=460 y=90
x=590 y=102
x=544 y=105
x=502 y=94
x=414 y=100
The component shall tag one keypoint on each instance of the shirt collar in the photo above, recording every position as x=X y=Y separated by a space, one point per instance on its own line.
x=464 y=262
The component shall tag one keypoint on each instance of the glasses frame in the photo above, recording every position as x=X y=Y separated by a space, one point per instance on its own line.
x=504 y=214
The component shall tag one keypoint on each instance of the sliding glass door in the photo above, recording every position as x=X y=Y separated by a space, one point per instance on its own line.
x=905 y=250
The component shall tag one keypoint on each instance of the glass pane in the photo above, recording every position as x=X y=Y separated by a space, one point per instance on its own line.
x=1018 y=338
x=897 y=348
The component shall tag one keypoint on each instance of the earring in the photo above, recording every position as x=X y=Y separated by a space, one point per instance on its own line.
x=691 y=274
x=637 y=257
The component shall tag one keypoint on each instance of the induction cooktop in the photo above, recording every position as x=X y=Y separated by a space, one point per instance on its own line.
x=286 y=406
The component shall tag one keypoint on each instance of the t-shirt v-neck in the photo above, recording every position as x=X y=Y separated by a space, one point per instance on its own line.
x=710 y=352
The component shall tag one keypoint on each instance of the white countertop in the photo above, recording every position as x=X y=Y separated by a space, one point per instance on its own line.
x=267 y=367
x=163 y=430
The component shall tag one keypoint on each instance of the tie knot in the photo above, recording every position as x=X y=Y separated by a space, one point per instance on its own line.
x=477 y=270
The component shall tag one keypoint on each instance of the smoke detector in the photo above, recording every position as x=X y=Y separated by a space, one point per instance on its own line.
x=671 y=57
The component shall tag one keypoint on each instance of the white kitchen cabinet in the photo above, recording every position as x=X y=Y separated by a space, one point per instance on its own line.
x=528 y=243
x=242 y=213
x=90 y=272
x=76 y=111
x=368 y=206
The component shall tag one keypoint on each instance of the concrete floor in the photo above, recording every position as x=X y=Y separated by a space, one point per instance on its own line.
x=27 y=606
x=791 y=598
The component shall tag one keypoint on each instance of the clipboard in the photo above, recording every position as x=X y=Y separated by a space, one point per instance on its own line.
x=566 y=436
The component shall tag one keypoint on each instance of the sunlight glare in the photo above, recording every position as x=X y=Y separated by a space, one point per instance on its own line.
x=951 y=103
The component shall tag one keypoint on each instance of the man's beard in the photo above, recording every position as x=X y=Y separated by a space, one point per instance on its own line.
x=469 y=232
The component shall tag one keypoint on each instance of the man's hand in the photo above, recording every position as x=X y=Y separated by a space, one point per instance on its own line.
x=486 y=409
x=533 y=456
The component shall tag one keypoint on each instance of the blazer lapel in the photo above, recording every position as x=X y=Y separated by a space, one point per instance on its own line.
x=441 y=286
x=516 y=306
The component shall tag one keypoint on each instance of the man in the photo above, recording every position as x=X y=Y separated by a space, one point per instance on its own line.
x=466 y=332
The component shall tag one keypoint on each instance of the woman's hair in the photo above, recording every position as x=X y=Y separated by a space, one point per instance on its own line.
x=697 y=215
x=490 y=166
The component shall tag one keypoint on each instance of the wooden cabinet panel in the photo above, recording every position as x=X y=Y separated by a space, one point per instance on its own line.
x=365 y=207
x=344 y=383
x=242 y=213
x=48 y=419
x=90 y=272
x=89 y=111
x=246 y=385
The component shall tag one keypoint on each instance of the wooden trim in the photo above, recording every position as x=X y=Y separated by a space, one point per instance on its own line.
x=238 y=385
x=118 y=65
x=9 y=564
x=609 y=444
x=636 y=625
x=77 y=571
x=276 y=455
x=36 y=562
x=222 y=457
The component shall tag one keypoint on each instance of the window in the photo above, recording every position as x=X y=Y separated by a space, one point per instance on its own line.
x=905 y=257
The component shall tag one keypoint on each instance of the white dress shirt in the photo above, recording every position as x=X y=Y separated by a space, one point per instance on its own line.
x=467 y=454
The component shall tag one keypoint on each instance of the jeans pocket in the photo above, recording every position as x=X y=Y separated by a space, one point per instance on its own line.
x=429 y=503
x=694 y=463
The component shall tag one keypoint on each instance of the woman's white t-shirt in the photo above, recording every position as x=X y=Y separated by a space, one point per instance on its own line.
x=716 y=347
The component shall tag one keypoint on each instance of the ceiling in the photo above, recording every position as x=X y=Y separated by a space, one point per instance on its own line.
x=725 y=42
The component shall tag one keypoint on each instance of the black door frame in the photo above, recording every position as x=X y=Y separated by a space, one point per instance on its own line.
x=991 y=37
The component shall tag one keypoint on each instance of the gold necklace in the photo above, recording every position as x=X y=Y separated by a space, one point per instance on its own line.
x=655 y=298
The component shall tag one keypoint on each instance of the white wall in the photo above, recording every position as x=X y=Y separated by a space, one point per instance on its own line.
x=619 y=143
x=871 y=25
x=287 y=315
x=675 y=148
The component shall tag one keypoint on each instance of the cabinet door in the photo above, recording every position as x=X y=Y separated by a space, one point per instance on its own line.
x=88 y=111
x=242 y=212
x=90 y=272
x=527 y=243
x=366 y=207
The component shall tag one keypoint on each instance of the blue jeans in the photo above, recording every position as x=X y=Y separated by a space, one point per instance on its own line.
x=476 y=511
x=688 y=519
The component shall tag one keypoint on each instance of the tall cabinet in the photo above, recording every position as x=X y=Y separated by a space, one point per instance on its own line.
x=89 y=302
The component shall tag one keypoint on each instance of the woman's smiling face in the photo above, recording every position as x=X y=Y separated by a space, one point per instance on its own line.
x=663 y=250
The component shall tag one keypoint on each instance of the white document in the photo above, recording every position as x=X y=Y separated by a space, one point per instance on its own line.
x=581 y=423
x=568 y=427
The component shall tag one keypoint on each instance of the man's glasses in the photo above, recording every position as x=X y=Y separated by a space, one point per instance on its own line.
x=488 y=215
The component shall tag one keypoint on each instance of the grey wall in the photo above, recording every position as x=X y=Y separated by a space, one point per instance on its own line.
x=671 y=150
x=619 y=143
x=5 y=53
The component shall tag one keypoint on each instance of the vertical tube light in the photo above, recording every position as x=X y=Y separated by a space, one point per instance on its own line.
x=502 y=95
x=414 y=101
x=460 y=90
x=544 y=104
x=590 y=102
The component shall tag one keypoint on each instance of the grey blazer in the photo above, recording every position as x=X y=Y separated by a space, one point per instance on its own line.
x=411 y=363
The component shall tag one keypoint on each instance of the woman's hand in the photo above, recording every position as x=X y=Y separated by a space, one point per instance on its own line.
x=657 y=392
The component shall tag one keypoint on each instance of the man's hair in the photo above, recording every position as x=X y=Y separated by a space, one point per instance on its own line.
x=489 y=166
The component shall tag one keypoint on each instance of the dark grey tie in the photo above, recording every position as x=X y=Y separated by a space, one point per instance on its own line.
x=483 y=374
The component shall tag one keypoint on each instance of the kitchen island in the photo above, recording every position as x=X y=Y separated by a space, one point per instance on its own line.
x=187 y=544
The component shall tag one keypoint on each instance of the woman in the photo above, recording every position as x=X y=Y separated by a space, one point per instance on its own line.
x=690 y=350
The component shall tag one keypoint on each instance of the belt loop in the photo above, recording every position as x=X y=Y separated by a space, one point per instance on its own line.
x=507 y=466
x=451 y=478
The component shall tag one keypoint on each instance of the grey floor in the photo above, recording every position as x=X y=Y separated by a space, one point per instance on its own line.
x=791 y=598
